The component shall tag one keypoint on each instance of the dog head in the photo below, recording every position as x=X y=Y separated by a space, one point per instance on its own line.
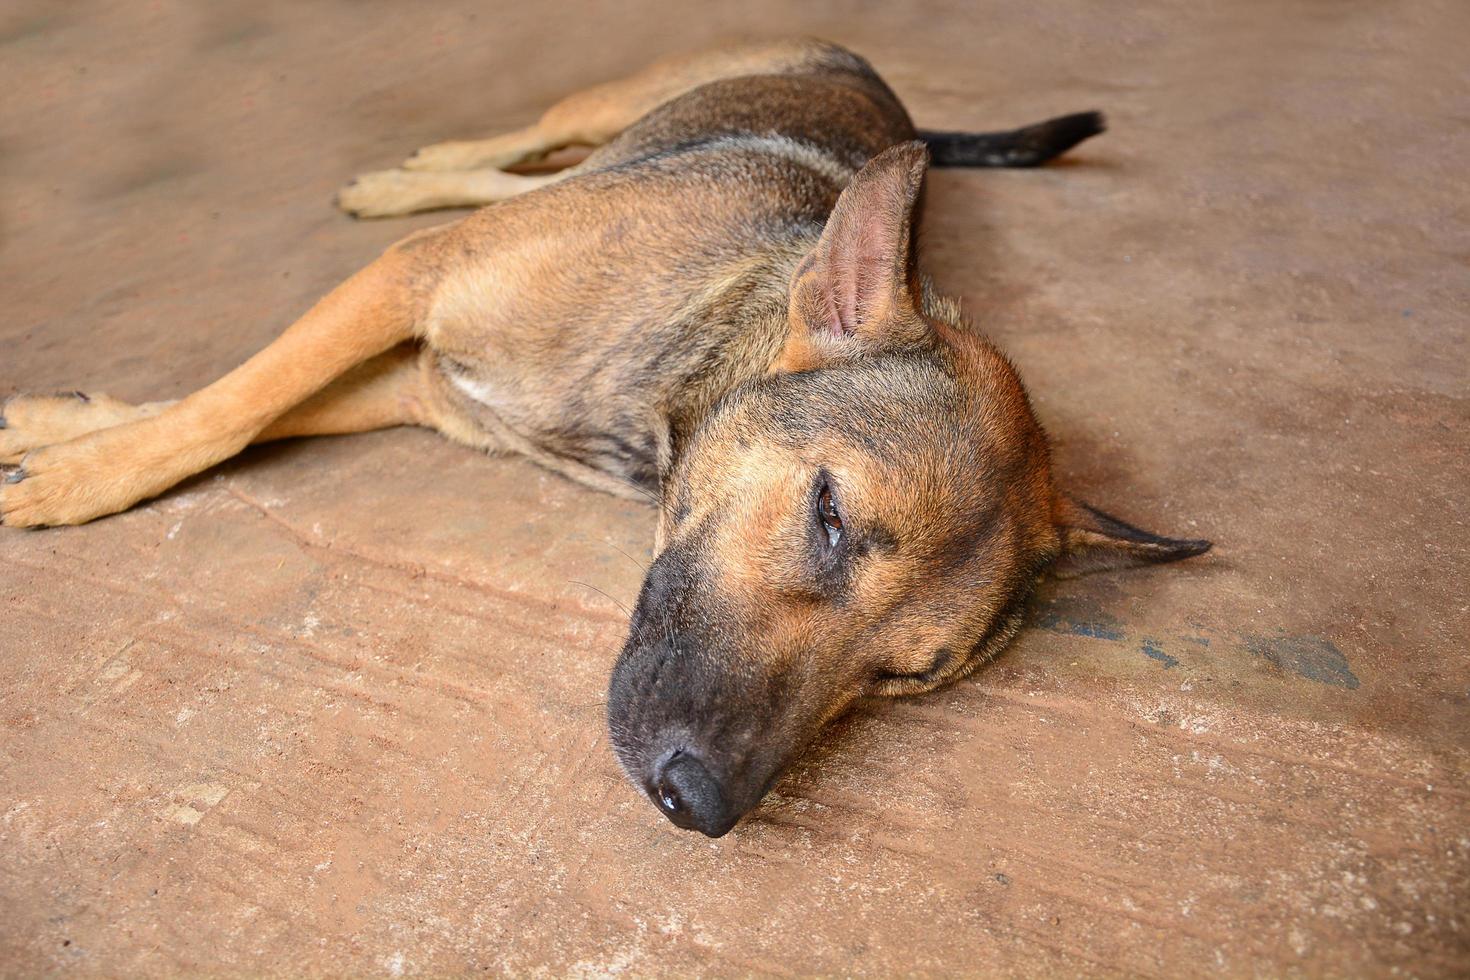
x=869 y=518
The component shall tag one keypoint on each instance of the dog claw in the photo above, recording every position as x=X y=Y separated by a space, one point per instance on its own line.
x=15 y=475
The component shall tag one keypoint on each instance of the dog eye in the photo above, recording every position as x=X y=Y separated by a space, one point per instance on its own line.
x=827 y=514
x=928 y=674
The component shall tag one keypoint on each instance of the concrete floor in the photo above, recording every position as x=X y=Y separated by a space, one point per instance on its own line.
x=336 y=706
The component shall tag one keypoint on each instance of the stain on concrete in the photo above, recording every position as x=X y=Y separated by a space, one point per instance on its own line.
x=1309 y=657
x=1099 y=626
x=1312 y=657
x=1152 y=650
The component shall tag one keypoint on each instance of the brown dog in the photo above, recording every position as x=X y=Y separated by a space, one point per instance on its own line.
x=719 y=305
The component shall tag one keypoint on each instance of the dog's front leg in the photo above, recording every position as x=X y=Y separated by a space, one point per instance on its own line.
x=29 y=422
x=381 y=392
x=109 y=470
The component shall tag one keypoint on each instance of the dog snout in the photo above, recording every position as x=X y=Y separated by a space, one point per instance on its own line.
x=692 y=797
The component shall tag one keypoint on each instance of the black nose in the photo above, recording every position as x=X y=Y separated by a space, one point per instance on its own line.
x=690 y=797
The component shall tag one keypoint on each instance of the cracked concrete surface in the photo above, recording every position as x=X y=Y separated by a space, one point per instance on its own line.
x=336 y=707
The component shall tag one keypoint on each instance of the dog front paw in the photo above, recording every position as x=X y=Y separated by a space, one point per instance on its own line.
x=29 y=422
x=32 y=495
x=74 y=482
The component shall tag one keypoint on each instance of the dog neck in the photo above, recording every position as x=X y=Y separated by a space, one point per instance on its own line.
x=739 y=323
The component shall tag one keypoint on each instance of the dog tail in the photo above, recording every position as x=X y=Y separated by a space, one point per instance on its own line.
x=1025 y=147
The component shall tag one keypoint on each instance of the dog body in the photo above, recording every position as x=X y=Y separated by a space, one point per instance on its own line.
x=592 y=324
x=718 y=307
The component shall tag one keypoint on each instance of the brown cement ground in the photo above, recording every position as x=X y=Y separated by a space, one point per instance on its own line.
x=336 y=706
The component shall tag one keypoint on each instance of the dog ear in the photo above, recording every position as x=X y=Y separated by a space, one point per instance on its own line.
x=853 y=293
x=1093 y=541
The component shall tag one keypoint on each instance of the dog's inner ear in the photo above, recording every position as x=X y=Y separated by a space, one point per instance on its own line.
x=854 y=292
x=1093 y=541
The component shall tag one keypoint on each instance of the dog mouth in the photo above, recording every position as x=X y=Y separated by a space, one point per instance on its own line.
x=694 y=782
x=701 y=716
x=702 y=753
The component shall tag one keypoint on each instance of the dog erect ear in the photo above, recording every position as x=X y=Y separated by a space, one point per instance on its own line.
x=1093 y=541
x=853 y=293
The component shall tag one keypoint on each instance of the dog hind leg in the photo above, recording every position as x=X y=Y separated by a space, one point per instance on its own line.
x=471 y=173
x=593 y=116
x=388 y=193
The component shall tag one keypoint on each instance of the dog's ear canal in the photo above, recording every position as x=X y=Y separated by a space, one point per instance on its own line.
x=854 y=292
x=1093 y=541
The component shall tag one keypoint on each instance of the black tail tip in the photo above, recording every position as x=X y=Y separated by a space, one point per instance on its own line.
x=1077 y=127
x=1050 y=139
x=1029 y=146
